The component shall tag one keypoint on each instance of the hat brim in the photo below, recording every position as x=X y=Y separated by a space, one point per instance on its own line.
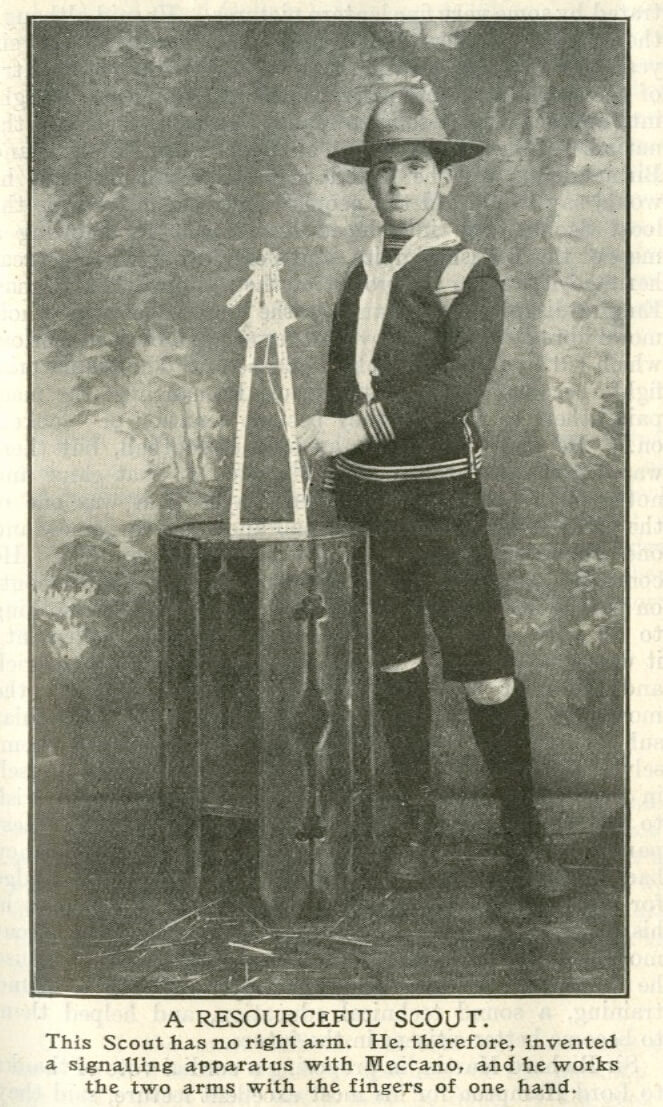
x=446 y=152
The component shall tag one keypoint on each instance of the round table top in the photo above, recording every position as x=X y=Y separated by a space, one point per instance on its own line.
x=217 y=530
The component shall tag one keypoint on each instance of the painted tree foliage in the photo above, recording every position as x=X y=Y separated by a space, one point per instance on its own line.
x=166 y=155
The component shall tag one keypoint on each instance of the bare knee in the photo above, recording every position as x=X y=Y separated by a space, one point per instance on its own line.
x=489 y=692
x=402 y=666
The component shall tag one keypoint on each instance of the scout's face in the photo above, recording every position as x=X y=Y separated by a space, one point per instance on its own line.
x=405 y=184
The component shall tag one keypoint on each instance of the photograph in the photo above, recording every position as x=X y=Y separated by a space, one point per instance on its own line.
x=328 y=407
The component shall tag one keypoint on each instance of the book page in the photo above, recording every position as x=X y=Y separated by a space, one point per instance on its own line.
x=202 y=802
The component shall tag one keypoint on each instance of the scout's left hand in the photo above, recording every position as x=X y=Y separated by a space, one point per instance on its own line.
x=322 y=437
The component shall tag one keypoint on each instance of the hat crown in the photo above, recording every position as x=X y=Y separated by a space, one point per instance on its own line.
x=407 y=115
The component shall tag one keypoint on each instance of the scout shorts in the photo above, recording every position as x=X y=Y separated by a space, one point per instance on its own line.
x=431 y=552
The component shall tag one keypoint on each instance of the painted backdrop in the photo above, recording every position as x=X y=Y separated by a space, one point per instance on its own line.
x=167 y=153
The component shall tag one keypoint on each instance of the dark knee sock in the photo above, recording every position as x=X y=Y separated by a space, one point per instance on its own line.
x=501 y=731
x=405 y=713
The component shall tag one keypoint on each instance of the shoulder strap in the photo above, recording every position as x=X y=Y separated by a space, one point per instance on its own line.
x=454 y=275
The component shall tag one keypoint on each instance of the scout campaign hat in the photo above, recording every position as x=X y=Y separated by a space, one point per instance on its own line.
x=408 y=115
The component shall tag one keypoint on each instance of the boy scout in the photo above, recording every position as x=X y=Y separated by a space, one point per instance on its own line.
x=415 y=336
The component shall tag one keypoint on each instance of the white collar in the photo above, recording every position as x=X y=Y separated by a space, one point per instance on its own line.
x=438 y=233
x=375 y=296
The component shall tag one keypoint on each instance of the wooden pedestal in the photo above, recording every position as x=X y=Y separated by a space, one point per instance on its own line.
x=267 y=707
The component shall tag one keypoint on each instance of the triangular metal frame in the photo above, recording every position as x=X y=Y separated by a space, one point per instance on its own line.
x=269 y=315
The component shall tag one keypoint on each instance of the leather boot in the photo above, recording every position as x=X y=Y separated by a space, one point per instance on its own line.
x=501 y=731
x=409 y=864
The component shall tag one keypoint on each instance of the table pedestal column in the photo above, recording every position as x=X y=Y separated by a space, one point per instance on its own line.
x=267 y=707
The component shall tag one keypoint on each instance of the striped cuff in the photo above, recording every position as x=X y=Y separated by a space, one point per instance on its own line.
x=376 y=424
x=329 y=479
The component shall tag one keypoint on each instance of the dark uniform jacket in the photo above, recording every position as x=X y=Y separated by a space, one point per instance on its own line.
x=433 y=365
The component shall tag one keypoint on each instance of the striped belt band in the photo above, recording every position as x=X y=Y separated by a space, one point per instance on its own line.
x=434 y=470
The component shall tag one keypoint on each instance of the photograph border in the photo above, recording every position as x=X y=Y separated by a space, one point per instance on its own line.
x=625 y=476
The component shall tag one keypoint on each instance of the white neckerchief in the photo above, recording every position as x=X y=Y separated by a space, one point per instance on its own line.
x=374 y=298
